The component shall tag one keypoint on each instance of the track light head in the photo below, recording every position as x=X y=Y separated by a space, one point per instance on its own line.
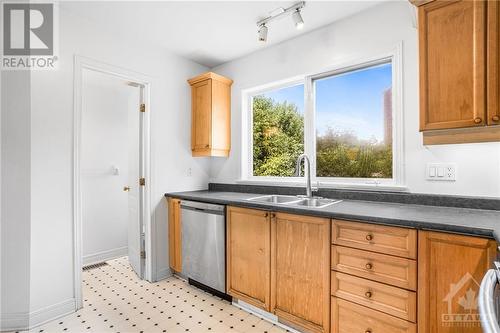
x=262 y=33
x=297 y=19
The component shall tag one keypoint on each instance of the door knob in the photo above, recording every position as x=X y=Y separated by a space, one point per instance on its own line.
x=368 y=294
x=126 y=188
x=369 y=266
x=369 y=237
x=478 y=120
x=495 y=118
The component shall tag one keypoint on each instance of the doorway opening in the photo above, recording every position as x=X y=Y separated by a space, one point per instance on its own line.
x=112 y=183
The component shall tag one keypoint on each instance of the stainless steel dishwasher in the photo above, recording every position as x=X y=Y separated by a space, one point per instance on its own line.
x=203 y=246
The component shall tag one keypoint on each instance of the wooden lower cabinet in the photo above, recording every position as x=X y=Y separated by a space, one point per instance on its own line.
x=174 y=234
x=450 y=270
x=248 y=252
x=348 y=317
x=301 y=272
x=280 y=263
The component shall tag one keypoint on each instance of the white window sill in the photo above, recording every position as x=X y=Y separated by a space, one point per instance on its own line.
x=294 y=182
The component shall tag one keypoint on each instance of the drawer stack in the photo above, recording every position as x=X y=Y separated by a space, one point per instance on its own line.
x=373 y=279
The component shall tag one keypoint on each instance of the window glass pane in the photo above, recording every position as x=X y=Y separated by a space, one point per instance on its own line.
x=354 y=123
x=278 y=131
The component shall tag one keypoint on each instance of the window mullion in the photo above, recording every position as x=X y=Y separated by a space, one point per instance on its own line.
x=309 y=124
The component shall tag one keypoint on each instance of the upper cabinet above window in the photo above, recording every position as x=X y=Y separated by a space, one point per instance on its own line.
x=210 y=115
x=458 y=45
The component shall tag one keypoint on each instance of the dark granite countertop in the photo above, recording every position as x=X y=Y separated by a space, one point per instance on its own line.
x=467 y=221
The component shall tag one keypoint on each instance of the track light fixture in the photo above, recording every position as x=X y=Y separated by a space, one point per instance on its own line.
x=263 y=33
x=297 y=19
x=293 y=10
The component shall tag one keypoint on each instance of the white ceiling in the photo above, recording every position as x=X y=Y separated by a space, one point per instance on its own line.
x=209 y=32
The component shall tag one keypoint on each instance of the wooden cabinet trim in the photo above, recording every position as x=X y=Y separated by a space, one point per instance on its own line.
x=174 y=234
x=493 y=63
x=401 y=242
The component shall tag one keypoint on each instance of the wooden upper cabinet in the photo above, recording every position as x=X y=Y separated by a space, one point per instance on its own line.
x=301 y=272
x=493 y=63
x=174 y=234
x=210 y=115
x=248 y=241
x=450 y=270
x=452 y=46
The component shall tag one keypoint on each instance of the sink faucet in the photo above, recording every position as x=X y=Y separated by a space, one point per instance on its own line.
x=308 y=170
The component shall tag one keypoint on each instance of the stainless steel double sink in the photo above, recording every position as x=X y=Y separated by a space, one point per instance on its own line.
x=290 y=200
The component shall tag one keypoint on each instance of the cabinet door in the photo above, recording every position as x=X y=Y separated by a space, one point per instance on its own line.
x=174 y=234
x=201 y=122
x=450 y=270
x=249 y=256
x=301 y=271
x=493 y=90
x=452 y=64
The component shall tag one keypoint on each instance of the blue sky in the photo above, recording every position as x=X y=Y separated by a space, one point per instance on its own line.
x=346 y=102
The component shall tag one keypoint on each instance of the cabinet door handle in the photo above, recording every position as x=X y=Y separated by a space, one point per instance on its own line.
x=368 y=294
x=495 y=118
x=478 y=120
x=369 y=237
x=207 y=146
x=368 y=331
x=369 y=265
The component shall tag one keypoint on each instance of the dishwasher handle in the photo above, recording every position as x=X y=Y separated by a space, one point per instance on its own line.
x=203 y=207
x=487 y=307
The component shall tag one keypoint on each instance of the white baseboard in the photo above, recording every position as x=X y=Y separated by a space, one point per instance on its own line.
x=163 y=273
x=14 y=321
x=49 y=313
x=27 y=321
x=105 y=255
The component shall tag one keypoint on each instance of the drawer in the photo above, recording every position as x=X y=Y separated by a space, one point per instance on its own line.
x=399 y=272
x=395 y=301
x=395 y=241
x=348 y=317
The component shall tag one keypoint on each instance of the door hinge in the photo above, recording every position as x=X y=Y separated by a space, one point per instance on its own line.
x=142 y=108
x=142 y=181
x=143 y=254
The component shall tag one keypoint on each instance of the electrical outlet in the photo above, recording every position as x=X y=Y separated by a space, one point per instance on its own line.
x=441 y=171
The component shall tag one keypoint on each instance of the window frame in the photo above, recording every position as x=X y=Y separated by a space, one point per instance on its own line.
x=397 y=182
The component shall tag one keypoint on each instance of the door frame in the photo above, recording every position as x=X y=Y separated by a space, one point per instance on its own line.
x=82 y=63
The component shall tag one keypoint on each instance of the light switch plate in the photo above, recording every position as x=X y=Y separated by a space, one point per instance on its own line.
x=441 y=171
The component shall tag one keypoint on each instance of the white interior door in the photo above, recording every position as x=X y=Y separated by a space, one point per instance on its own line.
x=136 y=240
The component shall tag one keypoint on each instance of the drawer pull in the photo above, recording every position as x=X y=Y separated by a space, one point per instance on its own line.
x=495 y=118
x=369 y=265
x=368 y=331
x=368 y=294
x=369 y=237
x=478 y=120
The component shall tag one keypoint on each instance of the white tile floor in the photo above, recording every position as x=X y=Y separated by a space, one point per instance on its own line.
x=115 y=300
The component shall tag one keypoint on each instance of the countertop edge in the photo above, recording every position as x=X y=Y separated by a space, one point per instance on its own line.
x=406 y=223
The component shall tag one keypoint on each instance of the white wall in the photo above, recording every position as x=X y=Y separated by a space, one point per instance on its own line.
x=15 y=199
x=107 y=104
x=368 y=33
x=52 y=148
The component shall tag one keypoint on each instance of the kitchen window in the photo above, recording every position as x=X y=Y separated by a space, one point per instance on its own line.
x=346 y=120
